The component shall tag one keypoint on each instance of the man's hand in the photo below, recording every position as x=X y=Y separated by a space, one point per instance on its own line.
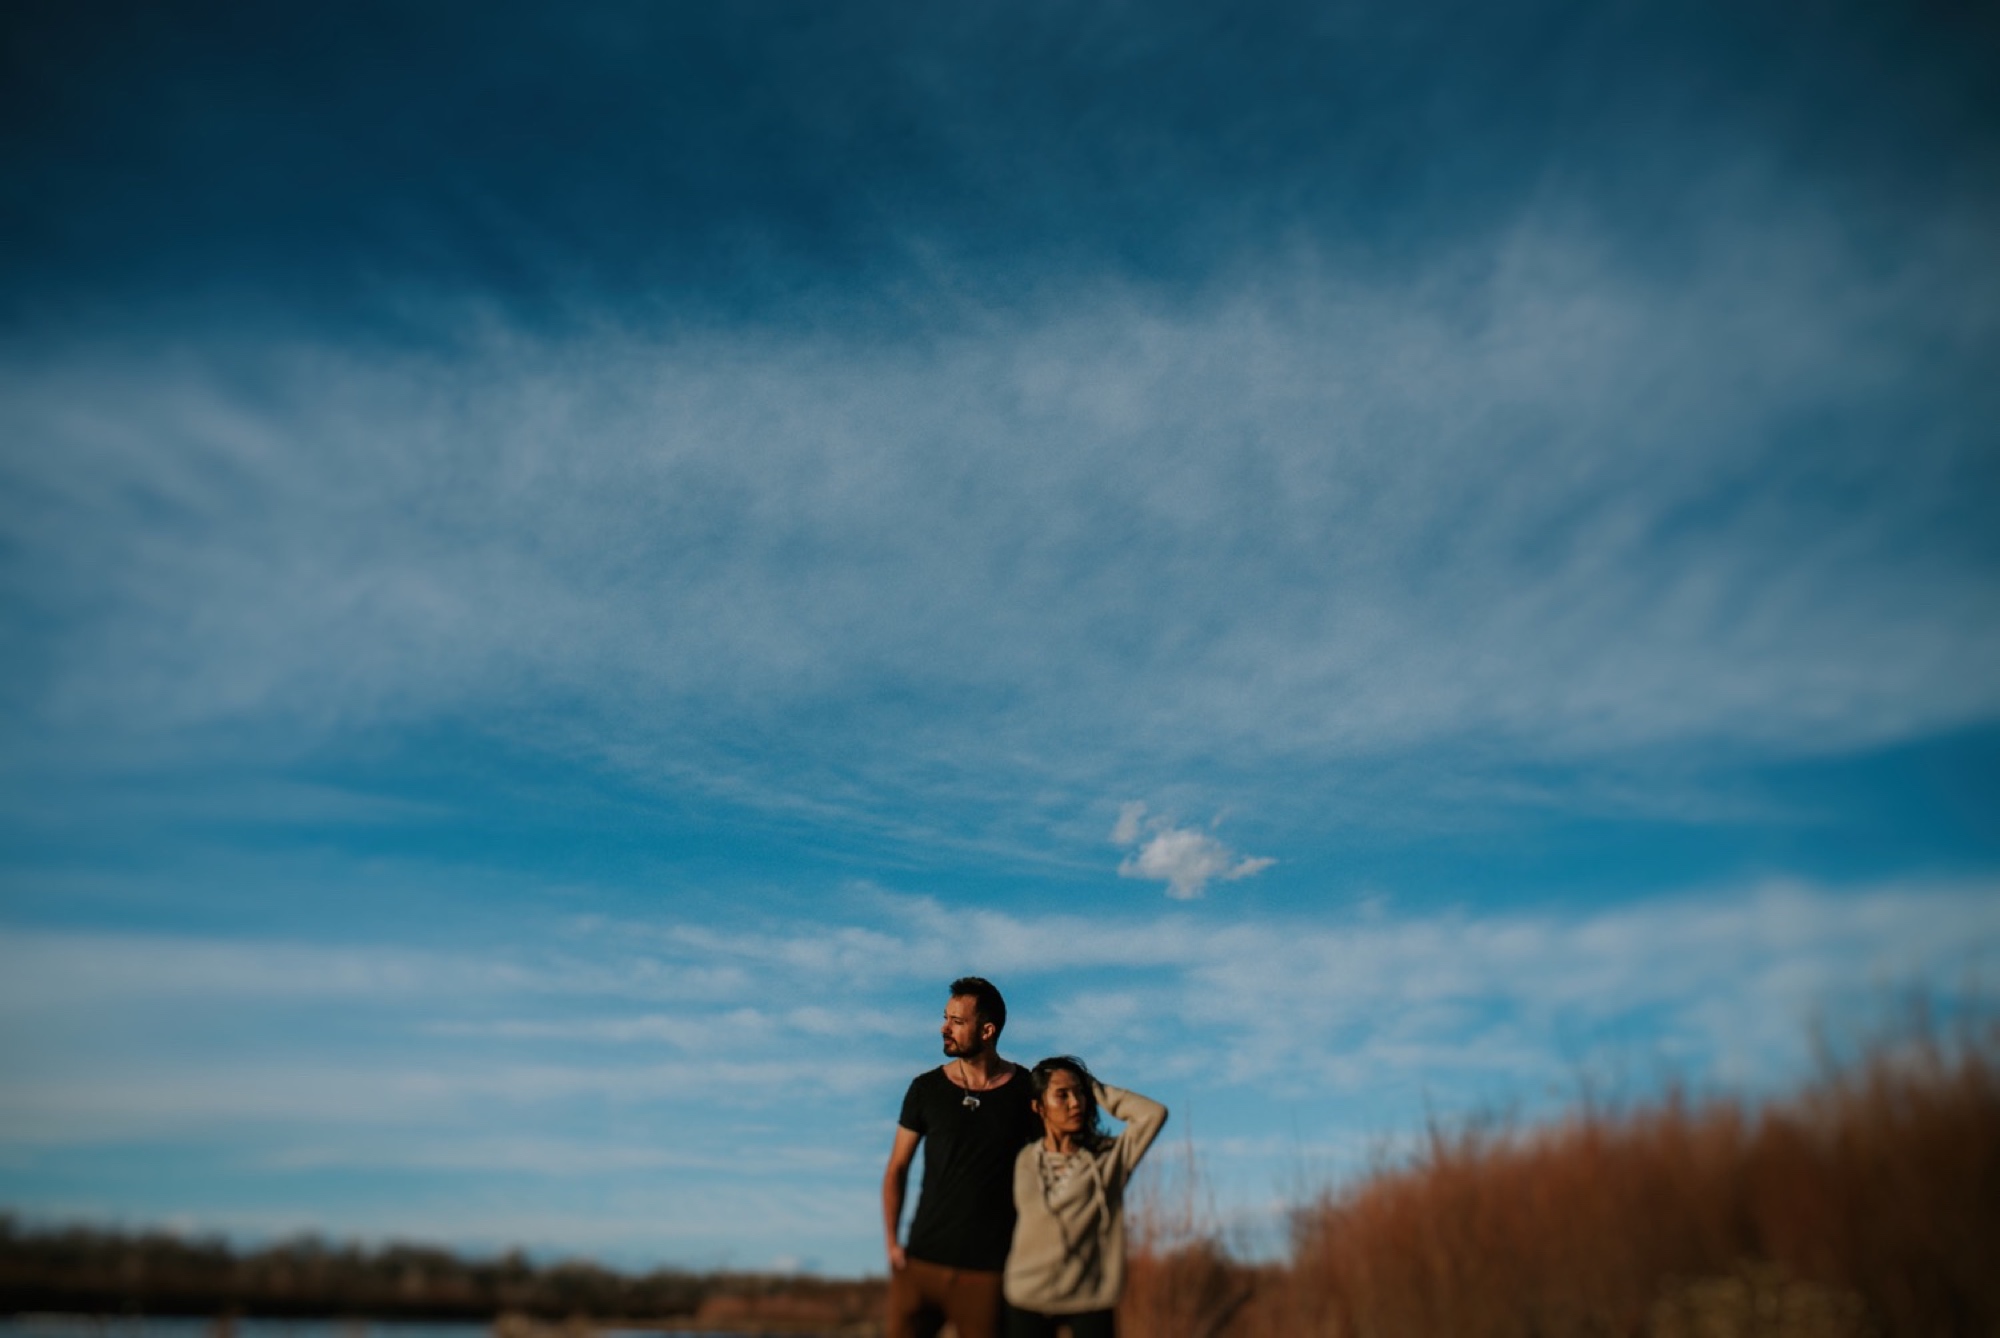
x=895 y=1180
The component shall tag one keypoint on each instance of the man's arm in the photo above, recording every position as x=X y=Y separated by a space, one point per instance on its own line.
x=895 y=1184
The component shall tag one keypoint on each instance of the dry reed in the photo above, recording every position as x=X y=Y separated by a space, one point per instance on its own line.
x=1868 y=1205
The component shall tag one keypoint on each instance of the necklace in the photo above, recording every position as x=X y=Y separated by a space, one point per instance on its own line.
x=971 y=1102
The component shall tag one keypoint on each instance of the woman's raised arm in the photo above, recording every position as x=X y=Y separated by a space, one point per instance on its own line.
x=1143 y=1118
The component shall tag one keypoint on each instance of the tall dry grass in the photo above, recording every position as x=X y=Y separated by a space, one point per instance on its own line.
x=1180 y=1280
x=1869 y=1204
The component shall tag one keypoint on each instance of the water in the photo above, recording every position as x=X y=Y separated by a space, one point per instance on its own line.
x=181 y=1326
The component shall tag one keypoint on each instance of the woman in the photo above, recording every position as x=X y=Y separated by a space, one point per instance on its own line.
x=1067 y=1264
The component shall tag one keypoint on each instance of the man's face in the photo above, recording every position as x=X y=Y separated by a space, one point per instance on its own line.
x=964 y=1034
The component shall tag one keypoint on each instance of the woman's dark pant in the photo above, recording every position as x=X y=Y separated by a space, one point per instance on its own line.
x=1090 y=1324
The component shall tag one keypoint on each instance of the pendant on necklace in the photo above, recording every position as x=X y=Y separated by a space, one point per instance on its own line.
x=971 y=1102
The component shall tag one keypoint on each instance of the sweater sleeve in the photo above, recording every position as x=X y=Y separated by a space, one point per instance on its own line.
x=1143 y=1117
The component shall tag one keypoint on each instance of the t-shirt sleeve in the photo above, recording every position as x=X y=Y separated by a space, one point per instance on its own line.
x=912 y=1117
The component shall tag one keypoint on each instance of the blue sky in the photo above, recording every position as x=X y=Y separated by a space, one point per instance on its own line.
x=562 y=570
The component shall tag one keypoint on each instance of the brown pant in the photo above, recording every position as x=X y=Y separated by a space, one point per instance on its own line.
x=922 y=1296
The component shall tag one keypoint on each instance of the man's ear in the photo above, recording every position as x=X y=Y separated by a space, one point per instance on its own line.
x=988 y=1032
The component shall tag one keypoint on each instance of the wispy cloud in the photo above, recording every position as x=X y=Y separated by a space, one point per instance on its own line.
x=461 y=668
x=208 y=1098
x=1183 y=858
x=1082 y=578
x=456 y=1067
x=1308 y=1003
x=45 y=969
x=54 y=969
x=553 y=1157
x=695 y=1032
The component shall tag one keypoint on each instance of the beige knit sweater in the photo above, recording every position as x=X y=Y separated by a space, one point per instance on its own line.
x=1069 y=1238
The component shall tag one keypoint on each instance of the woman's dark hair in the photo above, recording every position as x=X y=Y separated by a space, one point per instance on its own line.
x=1093 y=1123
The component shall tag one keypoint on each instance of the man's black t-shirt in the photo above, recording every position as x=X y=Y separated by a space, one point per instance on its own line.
x=965 y=1209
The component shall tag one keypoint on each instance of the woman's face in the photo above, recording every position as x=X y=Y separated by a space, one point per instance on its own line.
x=1063 y=1103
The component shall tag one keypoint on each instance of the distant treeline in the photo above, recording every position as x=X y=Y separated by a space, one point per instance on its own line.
x=96 y=1271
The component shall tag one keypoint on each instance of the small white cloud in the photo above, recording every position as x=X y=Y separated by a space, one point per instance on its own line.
x=1185 y=859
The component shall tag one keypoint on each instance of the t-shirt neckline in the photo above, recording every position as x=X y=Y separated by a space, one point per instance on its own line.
x=1013 y=1072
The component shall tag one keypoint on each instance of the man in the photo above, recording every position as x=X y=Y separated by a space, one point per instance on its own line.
x=975 y=1112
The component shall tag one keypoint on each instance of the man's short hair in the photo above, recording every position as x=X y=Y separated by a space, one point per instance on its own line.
x=985 y=998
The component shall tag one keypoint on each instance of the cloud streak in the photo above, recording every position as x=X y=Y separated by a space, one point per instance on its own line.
x=460 y=1064
x=1727 y=977
x=1024 y=553
x=487 y=601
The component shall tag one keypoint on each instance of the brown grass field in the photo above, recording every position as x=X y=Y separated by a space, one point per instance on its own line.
x=1868 y=1204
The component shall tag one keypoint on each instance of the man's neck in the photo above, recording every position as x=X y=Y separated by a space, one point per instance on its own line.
x=983 y=1068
